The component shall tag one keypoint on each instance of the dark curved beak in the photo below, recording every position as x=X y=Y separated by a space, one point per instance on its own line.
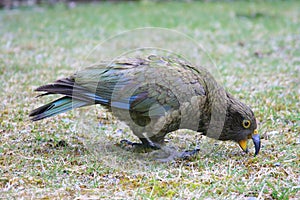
x=256 y=142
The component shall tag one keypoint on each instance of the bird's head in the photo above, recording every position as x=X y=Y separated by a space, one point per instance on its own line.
x=240 y=125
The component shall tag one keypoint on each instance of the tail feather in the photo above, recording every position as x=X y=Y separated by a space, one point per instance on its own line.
x=75 y=96
x=68 y=88
x=62 y=86
x=58 y=106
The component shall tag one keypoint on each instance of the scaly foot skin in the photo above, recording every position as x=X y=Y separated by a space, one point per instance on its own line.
x=170 y=154
x=139 y=147
x=186 y=155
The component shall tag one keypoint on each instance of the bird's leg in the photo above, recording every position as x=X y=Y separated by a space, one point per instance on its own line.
x=144 y=145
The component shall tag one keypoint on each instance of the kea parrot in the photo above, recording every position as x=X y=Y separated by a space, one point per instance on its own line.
x=154 y=96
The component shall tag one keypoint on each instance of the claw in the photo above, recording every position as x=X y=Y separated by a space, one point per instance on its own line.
x=188 y=154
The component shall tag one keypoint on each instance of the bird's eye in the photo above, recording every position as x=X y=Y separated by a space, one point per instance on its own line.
x=246 y=123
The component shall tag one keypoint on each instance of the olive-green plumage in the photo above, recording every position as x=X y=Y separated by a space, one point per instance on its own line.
x=155 y=96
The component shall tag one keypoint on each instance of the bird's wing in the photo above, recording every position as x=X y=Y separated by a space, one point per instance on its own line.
x=142 y=86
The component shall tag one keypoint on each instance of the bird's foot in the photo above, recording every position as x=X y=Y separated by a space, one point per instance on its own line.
x=187 y=154
x=170 y=154
x=139 y=147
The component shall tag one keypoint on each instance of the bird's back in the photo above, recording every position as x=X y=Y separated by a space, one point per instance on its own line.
x=145 y=92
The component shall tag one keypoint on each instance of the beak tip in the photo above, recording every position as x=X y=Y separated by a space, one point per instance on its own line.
x=256 y=141
x=257 y=144
x=257 y=150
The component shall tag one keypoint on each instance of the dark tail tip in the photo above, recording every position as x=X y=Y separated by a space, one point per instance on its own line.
x=40 y=113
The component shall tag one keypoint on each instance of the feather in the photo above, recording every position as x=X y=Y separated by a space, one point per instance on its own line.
x=159 y=94
x=58 y=106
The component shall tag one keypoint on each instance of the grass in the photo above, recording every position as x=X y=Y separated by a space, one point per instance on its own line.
x=256 y=47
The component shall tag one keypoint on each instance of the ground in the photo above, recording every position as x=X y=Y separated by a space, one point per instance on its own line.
x=256 y=48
